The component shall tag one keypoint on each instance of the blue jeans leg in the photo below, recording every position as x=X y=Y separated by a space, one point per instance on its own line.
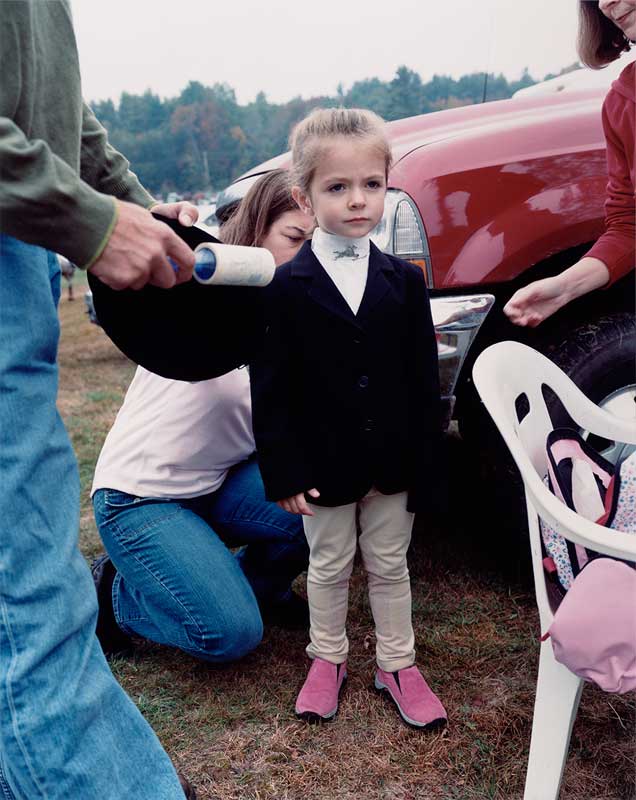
x=67 y=729
x=276 y=548
x=176 y=583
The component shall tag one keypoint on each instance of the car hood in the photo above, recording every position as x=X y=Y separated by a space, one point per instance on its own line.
x=496 y=117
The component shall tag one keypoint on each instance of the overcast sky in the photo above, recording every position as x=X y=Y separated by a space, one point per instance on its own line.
x=288 y=48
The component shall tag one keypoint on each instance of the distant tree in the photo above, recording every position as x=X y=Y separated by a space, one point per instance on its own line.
x=439 y=89
x=525 y=80
x=193 y=93
x=406 y=95
x=141 y=113
x=106 y=113
x=570 y=68
x=370 y=93
x=204 y=136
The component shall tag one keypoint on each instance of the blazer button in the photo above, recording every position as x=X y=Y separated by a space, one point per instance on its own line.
x=363 y=381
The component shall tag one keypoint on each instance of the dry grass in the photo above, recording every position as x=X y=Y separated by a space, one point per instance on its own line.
x=232 y=729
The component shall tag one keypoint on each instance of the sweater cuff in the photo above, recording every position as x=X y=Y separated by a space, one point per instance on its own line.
x=99 y=217
x=102 y=244
x=89 y=218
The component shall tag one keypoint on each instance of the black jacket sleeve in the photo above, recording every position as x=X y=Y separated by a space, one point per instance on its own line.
x=275 y=406
x=427 y=491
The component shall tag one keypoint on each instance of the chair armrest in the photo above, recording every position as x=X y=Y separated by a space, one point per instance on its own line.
x=575 y=527
x=598 y=421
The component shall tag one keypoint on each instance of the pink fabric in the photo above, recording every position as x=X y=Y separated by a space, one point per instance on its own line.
x=594 y=629
x=570 y=448
x=625 y=514
x=319 y=695
x=417 y=703
x=555 y=544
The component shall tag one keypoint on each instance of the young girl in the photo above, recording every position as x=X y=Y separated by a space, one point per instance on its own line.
x=346 y=407
x=606 y=29
x=177 y=483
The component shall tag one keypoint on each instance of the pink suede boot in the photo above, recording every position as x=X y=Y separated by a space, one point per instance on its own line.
x=318 y=699
x=417 y=703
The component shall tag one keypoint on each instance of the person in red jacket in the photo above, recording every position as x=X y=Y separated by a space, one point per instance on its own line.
x=607 y=28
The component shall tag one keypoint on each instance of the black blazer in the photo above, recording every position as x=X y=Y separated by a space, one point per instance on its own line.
x=342 y=401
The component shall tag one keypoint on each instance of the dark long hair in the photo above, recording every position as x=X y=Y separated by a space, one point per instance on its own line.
x=600 y=41
x=267 y=200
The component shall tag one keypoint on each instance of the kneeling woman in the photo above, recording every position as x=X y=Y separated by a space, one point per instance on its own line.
x=177 y=484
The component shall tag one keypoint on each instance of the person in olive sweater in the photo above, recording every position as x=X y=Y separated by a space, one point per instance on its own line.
x=67 y=729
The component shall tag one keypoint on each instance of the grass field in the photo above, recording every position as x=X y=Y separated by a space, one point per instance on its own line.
x=232 y=729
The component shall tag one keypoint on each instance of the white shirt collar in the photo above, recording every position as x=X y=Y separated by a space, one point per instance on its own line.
x=331 y=249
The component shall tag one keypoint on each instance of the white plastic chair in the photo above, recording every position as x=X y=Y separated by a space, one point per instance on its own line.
x=501 y=374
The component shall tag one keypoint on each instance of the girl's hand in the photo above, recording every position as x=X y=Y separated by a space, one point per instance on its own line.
x=296 y=504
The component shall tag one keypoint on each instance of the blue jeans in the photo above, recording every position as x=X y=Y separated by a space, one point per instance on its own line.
x=177 y=582
x=67 y=729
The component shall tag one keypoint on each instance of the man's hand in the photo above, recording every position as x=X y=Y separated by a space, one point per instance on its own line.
x=140 y=247
x=296 y=504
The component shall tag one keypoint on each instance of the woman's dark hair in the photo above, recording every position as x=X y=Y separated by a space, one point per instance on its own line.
x=600 y=41
x=267 y=200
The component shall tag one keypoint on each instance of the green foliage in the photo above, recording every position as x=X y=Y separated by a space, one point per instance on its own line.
x=203 y=138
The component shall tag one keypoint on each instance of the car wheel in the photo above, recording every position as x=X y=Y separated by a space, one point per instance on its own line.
x=599 y=357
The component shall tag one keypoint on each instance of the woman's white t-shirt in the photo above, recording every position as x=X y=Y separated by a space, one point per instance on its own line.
x=175 y=439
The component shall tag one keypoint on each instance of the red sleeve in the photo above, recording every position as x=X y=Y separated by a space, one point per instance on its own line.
x=616 y=247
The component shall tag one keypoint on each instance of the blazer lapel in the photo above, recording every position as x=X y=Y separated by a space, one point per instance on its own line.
x=377 y=284
x=321 y=289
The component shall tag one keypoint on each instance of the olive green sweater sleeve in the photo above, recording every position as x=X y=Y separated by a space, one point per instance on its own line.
x=58 y=173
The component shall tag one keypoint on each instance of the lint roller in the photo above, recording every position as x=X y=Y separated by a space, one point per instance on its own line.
x=233 y=265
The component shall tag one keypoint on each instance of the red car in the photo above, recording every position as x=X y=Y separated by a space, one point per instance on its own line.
x=487 y=198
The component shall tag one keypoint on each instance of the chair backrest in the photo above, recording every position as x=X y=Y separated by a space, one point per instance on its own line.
x=511 y=378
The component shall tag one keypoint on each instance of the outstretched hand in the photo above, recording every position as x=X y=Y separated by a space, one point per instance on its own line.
x=139 y=249
x=296 y=504
x=534 y=303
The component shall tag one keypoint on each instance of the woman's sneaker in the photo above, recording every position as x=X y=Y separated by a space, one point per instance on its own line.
x=318 y=699
x=418 y=705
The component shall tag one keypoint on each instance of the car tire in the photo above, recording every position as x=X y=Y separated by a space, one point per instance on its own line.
x=599 y=357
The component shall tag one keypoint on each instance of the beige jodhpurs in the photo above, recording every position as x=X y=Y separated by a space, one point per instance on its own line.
x=385 y=526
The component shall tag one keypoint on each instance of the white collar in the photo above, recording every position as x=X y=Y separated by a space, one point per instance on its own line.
x=339 y=249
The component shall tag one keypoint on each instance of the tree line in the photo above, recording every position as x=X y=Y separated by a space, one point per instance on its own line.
x=203 y=139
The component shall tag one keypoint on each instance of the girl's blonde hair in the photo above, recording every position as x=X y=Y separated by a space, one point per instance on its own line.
x=267 y=200
x=600 y=41
x=310 y=136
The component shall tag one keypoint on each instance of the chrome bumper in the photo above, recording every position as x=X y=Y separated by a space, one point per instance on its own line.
x=457 y=320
